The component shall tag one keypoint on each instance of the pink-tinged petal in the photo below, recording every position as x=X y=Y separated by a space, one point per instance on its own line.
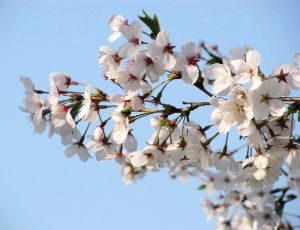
x=166 y=61
x=277 y=107
x=131 y=88
x=154 y=49
x=239 y=66
x=136 y=103
x=253 y=58
x=163 y=38
x=241 y=78
x=236 y=53
x=91 y=116
x=138 y=159
x=37 y=117
x=83 y=154
x=101 y=155
x=70 y=120
x=84 y=111
x=128 y=50
x=261 y=111
x=130 y=143
x=260 y=174
x=254 y=83
x=181 y=61
x=114 y=21
x=138 y=68
x=190 y=75
x=95 y=145
x=189 y=49
x=223 y=127
x=117 y=117
x=297 y=57
x=71 y=150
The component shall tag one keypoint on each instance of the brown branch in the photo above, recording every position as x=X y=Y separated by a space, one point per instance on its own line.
x=290 y=98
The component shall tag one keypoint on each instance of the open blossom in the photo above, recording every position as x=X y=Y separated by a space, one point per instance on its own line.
x=110 y=61
x=222 y=73
x=247 y=70
x=61 y=80
x=79 y=149
x=238 y=53
x=121 y=128
x=86 y=113
x=102 y=148
x=266 y=100
x=163 y=49
x=52 y=98
x=60 y=116
x=115 y=22
x=147 y=61
x=217 y=116
x=143 y=158
x=132 y=83
x=187 y=61
x=35 y=105
x=288 y=76
x=133 y=34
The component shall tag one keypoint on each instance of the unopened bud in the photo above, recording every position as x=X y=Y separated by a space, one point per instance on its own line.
x=98 y=134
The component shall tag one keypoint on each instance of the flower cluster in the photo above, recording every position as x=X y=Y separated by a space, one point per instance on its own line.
x=258 y=105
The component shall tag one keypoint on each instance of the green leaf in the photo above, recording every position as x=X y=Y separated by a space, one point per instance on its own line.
x=145 y=13
x=298 y=118
x=152 y=24
x=75 y=110
x=155 y=19
x=202 y=187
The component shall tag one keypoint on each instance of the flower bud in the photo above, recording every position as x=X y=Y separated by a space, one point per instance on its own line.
x=98 y=134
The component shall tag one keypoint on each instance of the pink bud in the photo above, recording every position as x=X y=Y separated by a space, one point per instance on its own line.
x=98 y=134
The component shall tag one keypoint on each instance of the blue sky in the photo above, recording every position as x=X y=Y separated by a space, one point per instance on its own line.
x=42 y=189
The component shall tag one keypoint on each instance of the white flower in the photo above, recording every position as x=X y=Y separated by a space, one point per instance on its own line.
x=287 y=76
x=115 y=22
x=110 y=61
x=121 y=128
x=146 y=61
x=60 y=115
x=143 y=158
x=61 y=80
x=223 y=76
x=247 y=70
x=163 y=49
x=104 y=149
x=35 y=106
x=266 y=100
x=186 y=61
x=238 y=53
x=132 y=83
x=133 y=34
x=52 y=98
x=79 y=149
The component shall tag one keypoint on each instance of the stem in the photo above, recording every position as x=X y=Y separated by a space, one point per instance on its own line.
x=148 y=35
x=291 y=132
x=159 y=85
x=211 y=139
x=225 y=146
x=83 y=136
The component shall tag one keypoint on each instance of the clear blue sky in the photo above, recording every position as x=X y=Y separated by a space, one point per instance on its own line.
x=41 y=189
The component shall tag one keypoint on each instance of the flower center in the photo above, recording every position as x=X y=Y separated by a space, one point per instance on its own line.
x=169 y=49
x=148 y=61
x=192 y=60
x=132 y=78
x=134 y=41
